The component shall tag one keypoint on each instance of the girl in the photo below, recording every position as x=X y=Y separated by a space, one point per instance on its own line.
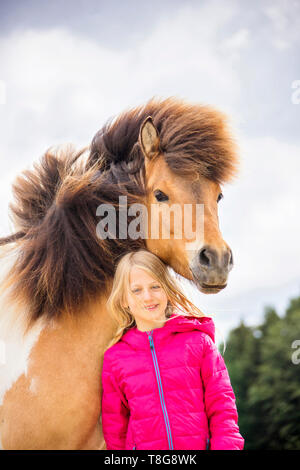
x=165 y=385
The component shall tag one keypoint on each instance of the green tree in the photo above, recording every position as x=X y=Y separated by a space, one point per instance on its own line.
x=266 y=380
x=242 y=358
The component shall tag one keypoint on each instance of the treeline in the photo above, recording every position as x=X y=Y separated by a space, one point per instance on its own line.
x=264 y=368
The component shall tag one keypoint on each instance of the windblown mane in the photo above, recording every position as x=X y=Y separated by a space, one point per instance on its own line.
x=193 y=139
x=61 y=262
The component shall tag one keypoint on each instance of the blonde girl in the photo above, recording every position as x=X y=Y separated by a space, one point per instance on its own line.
x=165 y=385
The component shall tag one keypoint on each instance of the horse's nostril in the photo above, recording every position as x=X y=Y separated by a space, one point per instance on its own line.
x=204 y=258
x=228 y=259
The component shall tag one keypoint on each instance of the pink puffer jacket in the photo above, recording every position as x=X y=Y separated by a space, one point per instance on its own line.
x=169 y=389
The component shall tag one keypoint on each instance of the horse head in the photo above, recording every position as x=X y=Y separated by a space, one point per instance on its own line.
x=185 y=200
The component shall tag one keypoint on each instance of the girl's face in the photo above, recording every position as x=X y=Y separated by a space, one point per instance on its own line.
x=146 y=299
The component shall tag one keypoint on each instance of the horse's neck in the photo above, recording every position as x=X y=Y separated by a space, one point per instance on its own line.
x=91 y=330
x=83 y=337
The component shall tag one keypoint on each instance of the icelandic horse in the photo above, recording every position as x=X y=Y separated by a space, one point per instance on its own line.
x=56 y=272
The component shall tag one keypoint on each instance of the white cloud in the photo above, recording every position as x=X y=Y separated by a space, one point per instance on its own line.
x=263 y=208
x=61 y=87
x=5 y=197
x=68 y=85
x=285 y=20
x=184 y=55
x=2 y=92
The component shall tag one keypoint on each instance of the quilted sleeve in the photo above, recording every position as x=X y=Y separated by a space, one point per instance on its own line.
x=115 y=411
x=219 y=401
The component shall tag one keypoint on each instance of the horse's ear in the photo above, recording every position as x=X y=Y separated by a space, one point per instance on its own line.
x=149 y=138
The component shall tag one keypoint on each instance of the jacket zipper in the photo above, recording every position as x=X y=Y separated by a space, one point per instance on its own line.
x=160 y=389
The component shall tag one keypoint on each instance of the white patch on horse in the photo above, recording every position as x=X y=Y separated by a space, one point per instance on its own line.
x=17 y=345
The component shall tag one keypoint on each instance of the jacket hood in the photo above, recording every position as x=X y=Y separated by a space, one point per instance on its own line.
x=177 y=323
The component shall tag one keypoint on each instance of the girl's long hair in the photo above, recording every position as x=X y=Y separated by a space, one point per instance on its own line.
x=150 y=263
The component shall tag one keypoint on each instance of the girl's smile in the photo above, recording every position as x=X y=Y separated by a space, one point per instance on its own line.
x=151 y=307
x=146 y=300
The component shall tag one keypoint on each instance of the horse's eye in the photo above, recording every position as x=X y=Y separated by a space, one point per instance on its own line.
x=220 y=197
x=160 y=196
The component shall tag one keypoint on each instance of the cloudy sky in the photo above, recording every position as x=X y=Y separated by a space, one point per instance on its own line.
x=66 y=67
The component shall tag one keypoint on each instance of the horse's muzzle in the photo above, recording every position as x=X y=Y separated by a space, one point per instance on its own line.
x=210 y=269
